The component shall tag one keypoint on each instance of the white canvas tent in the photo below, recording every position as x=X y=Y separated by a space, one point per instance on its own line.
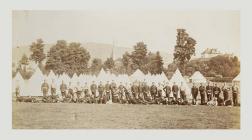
x=18 y=81
x=51 y=76
x=138 y=75
x=237 y=78
x=178 y=78
x=197 y=77
x=35 y=83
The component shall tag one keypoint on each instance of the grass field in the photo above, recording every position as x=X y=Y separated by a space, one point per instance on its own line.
x=65 y=115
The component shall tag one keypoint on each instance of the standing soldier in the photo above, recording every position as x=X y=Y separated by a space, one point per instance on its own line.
x=153 y=90
x=159 y=93
x=134 y=90
x=202 y=93
x=216 y=91
x=45 y=88
x=87 y=93
x=175 y=90
x=107 y=90
x=167 y=90
x=209 y=91
x=93 y=88
x=78 y=90
x=114 y=91
x=17 y=89
x=183 y=92
x=120 y=92
x=194 y=92
x=101 y=92
x=70 y=90
x=235 y=91
x=225 y=92
x=53 y=88
x=145 y=90
x=63 y=88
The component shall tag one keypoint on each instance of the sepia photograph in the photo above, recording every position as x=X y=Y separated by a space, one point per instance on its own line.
x=126 y=69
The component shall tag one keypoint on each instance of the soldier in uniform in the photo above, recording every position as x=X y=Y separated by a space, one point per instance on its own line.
x=202 y=94
x=235 y=91
x=114 y=92
x=120 y=92
x=167 y=90
x=93 y=89
x=175 y=90
x=101 y=89
x=225 y=90
x=70 y=90
x=78 y=90
x=153 y=90
x=45 y=88
x=87 y=95
x=216 y=91
x=194 y=92
x=17 y=90
x=135 y=90
x=146 y=90
x=63 y=89
x=209 y=91
x=53 y=88
x=183 y=92
x=107 y=90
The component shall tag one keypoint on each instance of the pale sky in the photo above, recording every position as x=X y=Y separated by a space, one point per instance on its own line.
x=211 y=29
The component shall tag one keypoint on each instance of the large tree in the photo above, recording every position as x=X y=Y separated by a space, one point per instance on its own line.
x=37 y=49
x=109 y=64
x=70 y=58
x=24 y=60
x=96 y=66
x=139 y=56
x=184 y=49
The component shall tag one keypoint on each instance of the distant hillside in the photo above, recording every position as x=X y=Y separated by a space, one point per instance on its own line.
x=96 y=50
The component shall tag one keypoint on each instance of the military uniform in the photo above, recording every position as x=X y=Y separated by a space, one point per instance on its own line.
x=146 y=90
x=216 y=91
x=153 y=91
x=167 y=90
x=235 y=91
x=107 y=90
x=63 y=89
x=225 y=92
x=101 y=93
x=209 y=91
x=202 y=94
x=194 y=92
x=175 y=90
x=45 y=88
x=182 y=93
x=53 y=89
x=114 y=92
x=93 y=88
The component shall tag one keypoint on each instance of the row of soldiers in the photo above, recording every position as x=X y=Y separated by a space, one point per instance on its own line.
x=140 y=92
x=212 y=94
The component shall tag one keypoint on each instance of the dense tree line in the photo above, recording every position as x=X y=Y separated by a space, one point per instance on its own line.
x=72 y=58
x=221 y=65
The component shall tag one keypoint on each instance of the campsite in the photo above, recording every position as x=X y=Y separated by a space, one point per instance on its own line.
x=122 y=116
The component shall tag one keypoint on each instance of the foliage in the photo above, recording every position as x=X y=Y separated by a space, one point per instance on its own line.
x=37 y=49
x=184 y=48
x=96 y=66
x=70 y=58
x=109 y=64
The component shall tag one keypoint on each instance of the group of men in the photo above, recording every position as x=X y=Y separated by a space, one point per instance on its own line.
x=140 y=93
x=210 y=94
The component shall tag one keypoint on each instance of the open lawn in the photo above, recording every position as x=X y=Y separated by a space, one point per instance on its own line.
x=66 y=115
